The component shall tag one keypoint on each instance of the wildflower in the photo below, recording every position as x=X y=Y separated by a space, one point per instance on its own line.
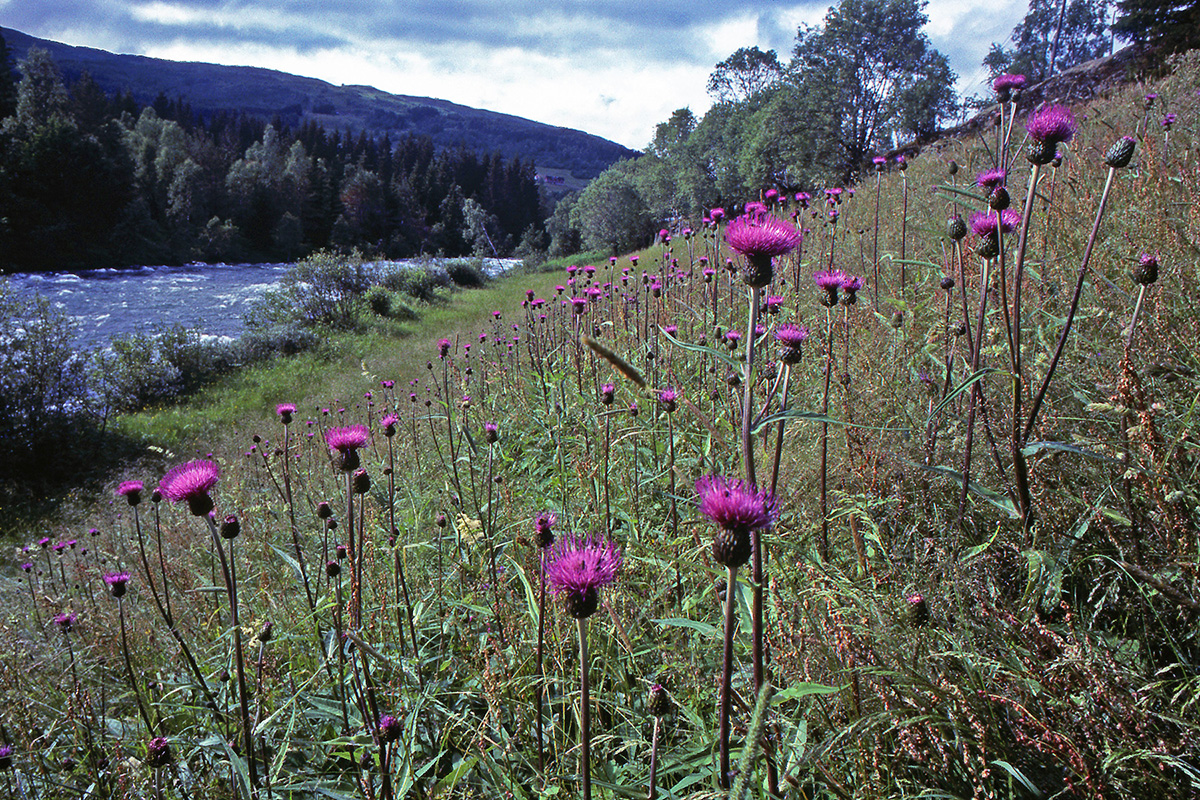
x=333 y=569
x=879 y=162
x=285 y=412
x=1121 y=153
x=6 y=758
x=773 y=303
x=390 y=728
x=1005 y=85
x=158 y=752
x=231 y=527
x=760 y=239
x=389 y=425
x=668 y=398
x=1167 y=121
x=984 y=224
x=830 y=280
x=918 y=609
x=131 y=491
x=956 y=229
x=578 y=304
x=850 y=285
x=443 y=348
x=738 y=511
x=578 y=567
x=607 y=394
x=717 y=214
x=991 y=178
x=1146 y=270
x=544 y=529
x=491 y=434
x=346 y=441
x=361 y=481
x=65 y=621
x=117 y=583
x=191 y=482
x=947 y=283
x=1047 y=128
x=792 y=337
x=657 y=702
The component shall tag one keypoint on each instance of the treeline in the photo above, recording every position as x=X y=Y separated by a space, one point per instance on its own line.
x=89 y=180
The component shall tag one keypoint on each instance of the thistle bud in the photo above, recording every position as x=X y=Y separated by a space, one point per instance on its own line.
x=956 y=228
x=1121 y=152
x=658 y=702
x=230 y=527
x=1145 y=272
x=999 y=200
x=361 y=481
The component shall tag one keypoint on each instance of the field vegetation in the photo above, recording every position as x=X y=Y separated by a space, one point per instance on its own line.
x=875 y=490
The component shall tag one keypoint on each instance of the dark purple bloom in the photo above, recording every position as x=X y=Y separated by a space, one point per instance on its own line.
x=131 y=491
x=158 y=752
x=388 y=424
x=1004 y=85
x=348 y=438
x=66 y=621
x=760 y=238
x=669 y=398
x=790 y=335
x=578 y=567
x=443 y=347
x=732 y=506
x=544 y=528
x=991 y=178
x=984 y=223
x=117 y=582
x=390 y=728
x=285 y=412
x=1051 y=125
x=191 y=482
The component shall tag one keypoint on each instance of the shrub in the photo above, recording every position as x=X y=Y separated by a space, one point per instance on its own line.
x=468 y=274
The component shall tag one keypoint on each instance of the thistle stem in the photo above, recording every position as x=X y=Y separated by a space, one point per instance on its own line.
x=585 y=713
x=726 y=678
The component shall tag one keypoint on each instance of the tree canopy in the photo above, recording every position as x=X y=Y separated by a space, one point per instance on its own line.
x=1054 y=35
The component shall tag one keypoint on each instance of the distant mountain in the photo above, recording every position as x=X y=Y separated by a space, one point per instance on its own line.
x=210 y=88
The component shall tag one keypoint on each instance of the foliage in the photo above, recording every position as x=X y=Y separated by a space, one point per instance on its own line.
x=88 y=180
x=611 y=214
x=1054 y=35
x=878 y=72
x=744 y=74
x=1173 y=25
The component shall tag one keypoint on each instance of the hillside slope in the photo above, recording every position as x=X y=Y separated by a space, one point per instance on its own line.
x=211 y=88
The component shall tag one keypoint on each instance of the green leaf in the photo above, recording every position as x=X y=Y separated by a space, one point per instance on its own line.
x=799 y=690
x=980 y=375
x=703 y=628
x=1000 y=501
x=699 y=348
x=1033 y=448
x=812 y=416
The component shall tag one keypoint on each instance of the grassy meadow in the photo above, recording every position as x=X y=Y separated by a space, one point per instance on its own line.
x=966 y=591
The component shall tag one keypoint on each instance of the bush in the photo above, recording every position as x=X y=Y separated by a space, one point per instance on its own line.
x=44 y=392
x=418 y=282
x=323 y=289
x=380 y=301
x=468 y=274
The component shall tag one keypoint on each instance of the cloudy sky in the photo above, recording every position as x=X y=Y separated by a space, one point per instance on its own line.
x=610 y=67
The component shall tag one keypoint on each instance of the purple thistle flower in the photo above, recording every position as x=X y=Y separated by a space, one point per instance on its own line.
x=544 y=528
x=790 y=335
x=759 y=239
x=1051 y=125
x=191 y=483
x=738 y=511
x=390 y=728
x=131 y=491
x=443 y=347
x=1004 y=85
x=158 y=752
x=991 y=178
x=578 y=304
x=773 y=303
x=389 y=424
x=117 y=582
x=66 y=621
x=577 y=568
x=717 y=214
x=348 y=438
x=1168 y=120
x=668 y=398
x=829 y=280
x=984 y=223
x=285 y=412
x=491 y=433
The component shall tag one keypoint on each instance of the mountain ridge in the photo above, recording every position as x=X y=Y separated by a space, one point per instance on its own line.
x=260 y=91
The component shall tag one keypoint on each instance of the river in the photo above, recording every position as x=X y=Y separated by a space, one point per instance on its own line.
x=104 y=303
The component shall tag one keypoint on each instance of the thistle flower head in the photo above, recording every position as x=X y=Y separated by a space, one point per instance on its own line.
x=543 y=527
x=1005 y=85
x=390 y=728
x=760 y=238
x=991 y=178
x=389 y=424
x=285 y=412
x=984 y=224
x=577 y=568
x=117 y=582
x=131 y=491
x=669 y=398
x=158 y=752
x=1051 y=125
x=66 y=620
x=790 y=335
x=348 y=438
x=829 y=279
x=738 y=512
x=191 y=483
